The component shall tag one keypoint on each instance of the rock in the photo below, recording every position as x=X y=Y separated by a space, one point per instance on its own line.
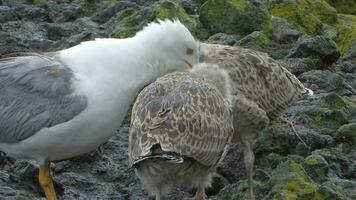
x=313 y=139
x=14 y=2
x=306 y=15
x=169 y=9
x=31 y=13
x=344 y=104
x=69 y=34
x=347 y=36
x=299 y=65
x=347 y=134
x=341 y=162
x=218 y=183
x=256 y=38
x=108 y=12
x=7 y=14
x=127 y=22
x=290 y=181
x=224 y=39
x=324 y=81
x=344 y=6
x=282 y=31
x=277 y=138
x=319 y=47
x=321 y=120
x=236 y=191
x=191 y=7
x=233 y=17
x=317 y=167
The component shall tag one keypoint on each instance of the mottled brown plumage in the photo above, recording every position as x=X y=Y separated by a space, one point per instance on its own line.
x=262 y=89
x=181 y=125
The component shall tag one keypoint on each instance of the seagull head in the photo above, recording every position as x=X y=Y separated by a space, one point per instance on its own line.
x=172 y=43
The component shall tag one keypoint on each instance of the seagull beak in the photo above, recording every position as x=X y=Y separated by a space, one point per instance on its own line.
x=189 y=65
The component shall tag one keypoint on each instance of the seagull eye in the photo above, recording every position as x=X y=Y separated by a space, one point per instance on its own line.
x=190 y=51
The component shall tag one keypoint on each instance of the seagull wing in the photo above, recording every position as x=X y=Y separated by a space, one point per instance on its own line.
x=35 y=92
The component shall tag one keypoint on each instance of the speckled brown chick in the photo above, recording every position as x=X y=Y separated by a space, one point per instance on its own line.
x=180 y=130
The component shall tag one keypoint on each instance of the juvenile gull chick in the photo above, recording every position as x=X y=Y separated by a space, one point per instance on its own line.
x=180 y=129
x=63 y=104
x=262 y=89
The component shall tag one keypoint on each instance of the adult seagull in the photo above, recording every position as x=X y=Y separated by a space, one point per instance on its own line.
x=54 y=106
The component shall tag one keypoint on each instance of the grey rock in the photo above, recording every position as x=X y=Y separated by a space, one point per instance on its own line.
x=299 y=65
x=110 y=10
x=7 y=14
x=31 y=13
x=224 y=39
x=325 y=80
x=322 y=48
x=283 y=31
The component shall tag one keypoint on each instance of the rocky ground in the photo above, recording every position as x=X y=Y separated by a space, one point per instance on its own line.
x=316 y=38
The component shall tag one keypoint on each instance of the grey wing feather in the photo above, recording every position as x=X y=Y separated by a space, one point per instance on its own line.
x=257 y=76
x=35 y=92
x=190 y=118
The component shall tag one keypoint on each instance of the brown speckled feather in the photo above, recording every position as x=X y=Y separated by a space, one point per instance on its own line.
x=257 y=77
x=184 y=114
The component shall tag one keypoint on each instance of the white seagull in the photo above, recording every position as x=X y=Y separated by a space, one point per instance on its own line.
x=54 y=106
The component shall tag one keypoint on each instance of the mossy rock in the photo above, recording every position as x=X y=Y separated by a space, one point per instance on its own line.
x=322 y=120
x=347 y=134
x=306 y=15
x=317 y=167
x=255 y=38
x=346 y=33
x=171 y=10
x=237 y=191
x=127 y=22
x=290 y=181
x=344 y=6
x=343 y=104
x=233 y=17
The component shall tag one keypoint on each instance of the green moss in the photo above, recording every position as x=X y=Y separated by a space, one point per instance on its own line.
x=175 y=12
x=317 y=166
x=257 y=37
x=171 y=10
x=344 y=6
x=346 y=30
x=347 y=134
x=238 y=3
x=294 y=183
x=340 y=103
x=306 y=15
x=233 y=17
x=128 y=21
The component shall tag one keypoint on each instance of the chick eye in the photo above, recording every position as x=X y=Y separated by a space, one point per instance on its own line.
x=190 y=51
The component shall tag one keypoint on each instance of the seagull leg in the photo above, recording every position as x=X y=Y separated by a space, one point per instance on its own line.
x=200 y=193
x=249 y=158
x=45 y=179
x=159 y=195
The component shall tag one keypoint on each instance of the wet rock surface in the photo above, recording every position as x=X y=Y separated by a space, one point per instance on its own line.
x=315 y=39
